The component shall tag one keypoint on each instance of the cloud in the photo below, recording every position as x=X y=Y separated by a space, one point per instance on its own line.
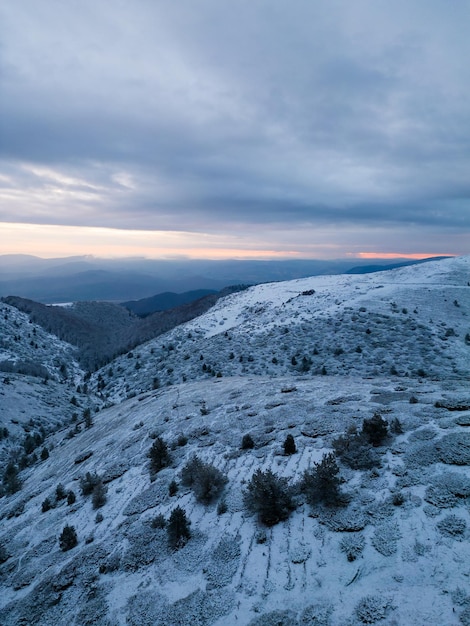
x=208 y=117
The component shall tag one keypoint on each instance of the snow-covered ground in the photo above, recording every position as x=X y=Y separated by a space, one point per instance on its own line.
x=407 y=522
x=406 y=322
x=39 y=375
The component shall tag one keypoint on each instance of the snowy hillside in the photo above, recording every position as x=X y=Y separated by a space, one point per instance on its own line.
x=406 y=322
x=38 y=379
x=392 y=548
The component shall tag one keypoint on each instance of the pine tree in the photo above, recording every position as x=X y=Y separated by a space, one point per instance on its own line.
x=159 y=455
x=98 y=497
x=269 y=496
x=68 y=538
x=247 y=442
x=11 y=481
x=289 y=445
x=178 y=528
x=321 y=483
x=376 y=429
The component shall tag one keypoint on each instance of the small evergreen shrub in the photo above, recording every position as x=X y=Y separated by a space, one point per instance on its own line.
x=269 y=496
x=87 y=417
x=11 y=481
x=289 y=445
x=355 y=451
x=46 y=505
x=178 y=528
x=398 y=499
x=385 y=538
x=60 y=492
x=395 y=426
x=71 y=497
x=371 y=609
x=247 y=442
x=88 y=483
x=182 y=440
x=4 y=556
x=173 y=488
x=222 y=507
x=375 y=429
x=68 y=538
x=205 y=480
x=158 y=521
x=159 y=455
x=352 y=545
x=99 y=497
x=321 y=483
x=452 y=526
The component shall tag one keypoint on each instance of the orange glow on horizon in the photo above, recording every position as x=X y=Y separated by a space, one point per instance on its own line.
x=54 y=241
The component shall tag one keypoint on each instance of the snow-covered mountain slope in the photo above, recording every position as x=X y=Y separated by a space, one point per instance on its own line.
x=413 y=321
x=406 y=527
x=394 y=551
x=38 y=379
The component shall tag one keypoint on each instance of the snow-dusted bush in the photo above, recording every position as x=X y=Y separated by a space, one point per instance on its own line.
x=448 y=490
x=89 y=482
x=145 y=546
x=224 y=562
x=145 y=608
x=205 y=480
x=352 y=545
x=460 y=597
x=270 y=496
x=222 y=507
x=454 y=449
x=355 y=451
x=371 y=609
x=316 y=615
x=99 y=497
x=275 y=618
x=158 y=521
x=111 y=563
x=452 y=526
x=420 y=455
x=422 y=434
x=350 y=519
x=465 y=616
x=385 y=538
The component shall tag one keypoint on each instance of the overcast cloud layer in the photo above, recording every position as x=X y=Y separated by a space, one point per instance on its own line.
x=298 y=117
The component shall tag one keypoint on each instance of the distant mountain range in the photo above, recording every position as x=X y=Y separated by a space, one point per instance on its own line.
x=75 y=279
x=164 y=301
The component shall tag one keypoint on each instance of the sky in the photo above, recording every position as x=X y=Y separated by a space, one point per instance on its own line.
x=247 y=129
